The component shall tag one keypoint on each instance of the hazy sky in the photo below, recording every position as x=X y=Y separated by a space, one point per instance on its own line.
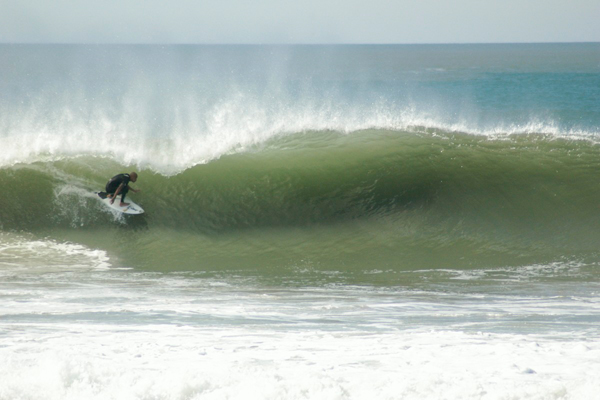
x=298 y=21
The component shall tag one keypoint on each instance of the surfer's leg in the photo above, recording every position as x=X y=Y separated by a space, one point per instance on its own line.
x=123 y=194
x=110 y=189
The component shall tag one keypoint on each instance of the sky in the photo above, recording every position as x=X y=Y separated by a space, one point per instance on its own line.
x=299 y=21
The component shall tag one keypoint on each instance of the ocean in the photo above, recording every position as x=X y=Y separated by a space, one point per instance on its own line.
x=322 y=222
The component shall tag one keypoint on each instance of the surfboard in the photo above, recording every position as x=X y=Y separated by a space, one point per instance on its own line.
x=132 y=208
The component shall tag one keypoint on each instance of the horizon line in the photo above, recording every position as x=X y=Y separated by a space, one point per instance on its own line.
x=290 y=44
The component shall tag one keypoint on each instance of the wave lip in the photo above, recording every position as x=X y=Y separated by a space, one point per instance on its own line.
x=185 y=146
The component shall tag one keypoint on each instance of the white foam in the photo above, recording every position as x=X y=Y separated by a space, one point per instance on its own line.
x=197 y=134
x=195 y=363
x=27 y=253
x=134 y=335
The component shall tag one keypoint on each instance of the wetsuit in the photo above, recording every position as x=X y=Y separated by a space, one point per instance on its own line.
x=116 y=181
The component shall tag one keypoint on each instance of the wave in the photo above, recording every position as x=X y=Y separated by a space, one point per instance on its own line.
x=522 y=188
x=338 y=155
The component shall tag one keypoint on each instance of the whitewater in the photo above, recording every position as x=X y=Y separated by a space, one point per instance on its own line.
x=322 y=222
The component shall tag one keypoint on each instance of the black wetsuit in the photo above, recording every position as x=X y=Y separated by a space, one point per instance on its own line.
x=116 y=181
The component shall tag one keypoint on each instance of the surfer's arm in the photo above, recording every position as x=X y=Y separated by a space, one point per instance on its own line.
x=116 y=193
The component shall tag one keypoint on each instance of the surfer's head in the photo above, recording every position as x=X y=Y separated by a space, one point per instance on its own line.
x=133 y=176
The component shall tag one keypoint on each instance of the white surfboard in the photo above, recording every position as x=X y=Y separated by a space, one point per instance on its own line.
x=132 y=208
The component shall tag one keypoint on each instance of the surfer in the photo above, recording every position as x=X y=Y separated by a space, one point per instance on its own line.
x=119 y=185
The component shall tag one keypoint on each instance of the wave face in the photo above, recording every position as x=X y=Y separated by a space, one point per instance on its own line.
x=399 y=156
x=328 y=194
